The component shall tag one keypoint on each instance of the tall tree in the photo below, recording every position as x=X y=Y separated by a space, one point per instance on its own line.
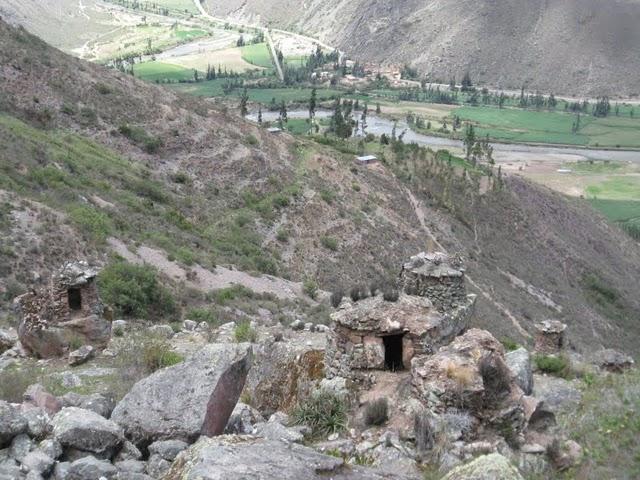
x=244 y=98
x=469 y=140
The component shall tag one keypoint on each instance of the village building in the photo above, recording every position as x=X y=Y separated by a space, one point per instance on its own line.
x=66 y=311
x=386 y=334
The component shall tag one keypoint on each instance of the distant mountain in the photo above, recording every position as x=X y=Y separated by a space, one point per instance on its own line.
x=574 y=47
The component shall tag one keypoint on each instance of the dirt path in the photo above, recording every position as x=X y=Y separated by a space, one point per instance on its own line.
x=206 y=280
x=422 y=216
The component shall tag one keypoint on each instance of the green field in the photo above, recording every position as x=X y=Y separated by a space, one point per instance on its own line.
x=617 y=210
x=616 y=188
x=213 y=88
x=189 y=34
x=181 y=5
x=159 y=71
x=528 y=126
x=257 y=54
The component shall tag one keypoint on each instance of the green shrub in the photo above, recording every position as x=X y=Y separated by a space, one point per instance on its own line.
x=376 y=412
x=226 y=295
x=251 y=140
x=281 y=200
x=329 y=243
x=103 y=89
x=553 y=365
x=134 y=291
x=310 y=287
x=139 y=136
x=325 y=413
x=157 y=354
x=181 y=177
x=202 y=315
x=186 y=256
x=509 y=344
x=96 y=224
x=282 y=235
x=244 y=332
x=328 y=196
x=336 y=298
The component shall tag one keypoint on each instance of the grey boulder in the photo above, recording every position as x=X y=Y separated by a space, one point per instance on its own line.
x=90 y=468
x=167 y=449
x=86 y=431
x=184 y=401
x=95 y=402
x=12 y=423
x=231 y=457
x=519 y=362
x=487 y=467
x=38 y=462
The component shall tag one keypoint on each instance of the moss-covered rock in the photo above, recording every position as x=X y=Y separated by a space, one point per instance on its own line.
x=486 y=467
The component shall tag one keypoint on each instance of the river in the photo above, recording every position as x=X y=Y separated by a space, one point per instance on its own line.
x=503 y=152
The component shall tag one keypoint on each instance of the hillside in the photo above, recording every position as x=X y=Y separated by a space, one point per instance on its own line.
x=570 y=47
x=94 y=161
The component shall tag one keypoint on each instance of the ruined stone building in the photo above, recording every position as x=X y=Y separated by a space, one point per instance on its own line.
x=374 y=334
x=66 y=311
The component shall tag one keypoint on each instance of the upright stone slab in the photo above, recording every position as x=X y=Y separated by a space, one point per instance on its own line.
x=193 y=398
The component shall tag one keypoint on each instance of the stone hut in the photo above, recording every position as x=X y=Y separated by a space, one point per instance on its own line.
x=549 y=337
x=376 y=334
x=66 y=311
x=437 y=276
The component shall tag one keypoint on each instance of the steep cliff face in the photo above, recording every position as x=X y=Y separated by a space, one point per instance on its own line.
x=568 y=46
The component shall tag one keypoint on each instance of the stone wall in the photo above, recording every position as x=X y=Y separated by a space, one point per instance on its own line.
x=48 y=324
x=353 y=354
x=444 y=292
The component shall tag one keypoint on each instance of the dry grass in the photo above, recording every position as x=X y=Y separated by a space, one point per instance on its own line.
x=462 y=374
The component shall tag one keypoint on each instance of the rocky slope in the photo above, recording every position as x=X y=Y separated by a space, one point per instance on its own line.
x=570 y=47
x=94 y=162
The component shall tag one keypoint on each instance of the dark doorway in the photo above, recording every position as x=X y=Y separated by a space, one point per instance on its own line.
x=393 y=352
x=75 y=298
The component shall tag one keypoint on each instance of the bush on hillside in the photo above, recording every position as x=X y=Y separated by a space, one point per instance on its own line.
x=134 y=291
x=336 y=298
x=244 y=332
x=376 y=412
x=553 y=365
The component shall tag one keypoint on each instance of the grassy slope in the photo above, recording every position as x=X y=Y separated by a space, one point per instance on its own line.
x=607 y=425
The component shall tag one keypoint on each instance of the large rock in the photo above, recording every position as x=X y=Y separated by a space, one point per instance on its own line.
x=558 y=394
x=37 y=396
x=519 y=362
x=612 y=360
x=12 y=423
x=285 y=372
x=192 y=398
x=7 y=340
x=95 y=402
x=90 y=468
x=231 y=457
x=486 y=467
x=470 y=372
x=87 y=431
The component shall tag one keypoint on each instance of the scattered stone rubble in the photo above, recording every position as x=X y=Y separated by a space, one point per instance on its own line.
x=461 y=402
